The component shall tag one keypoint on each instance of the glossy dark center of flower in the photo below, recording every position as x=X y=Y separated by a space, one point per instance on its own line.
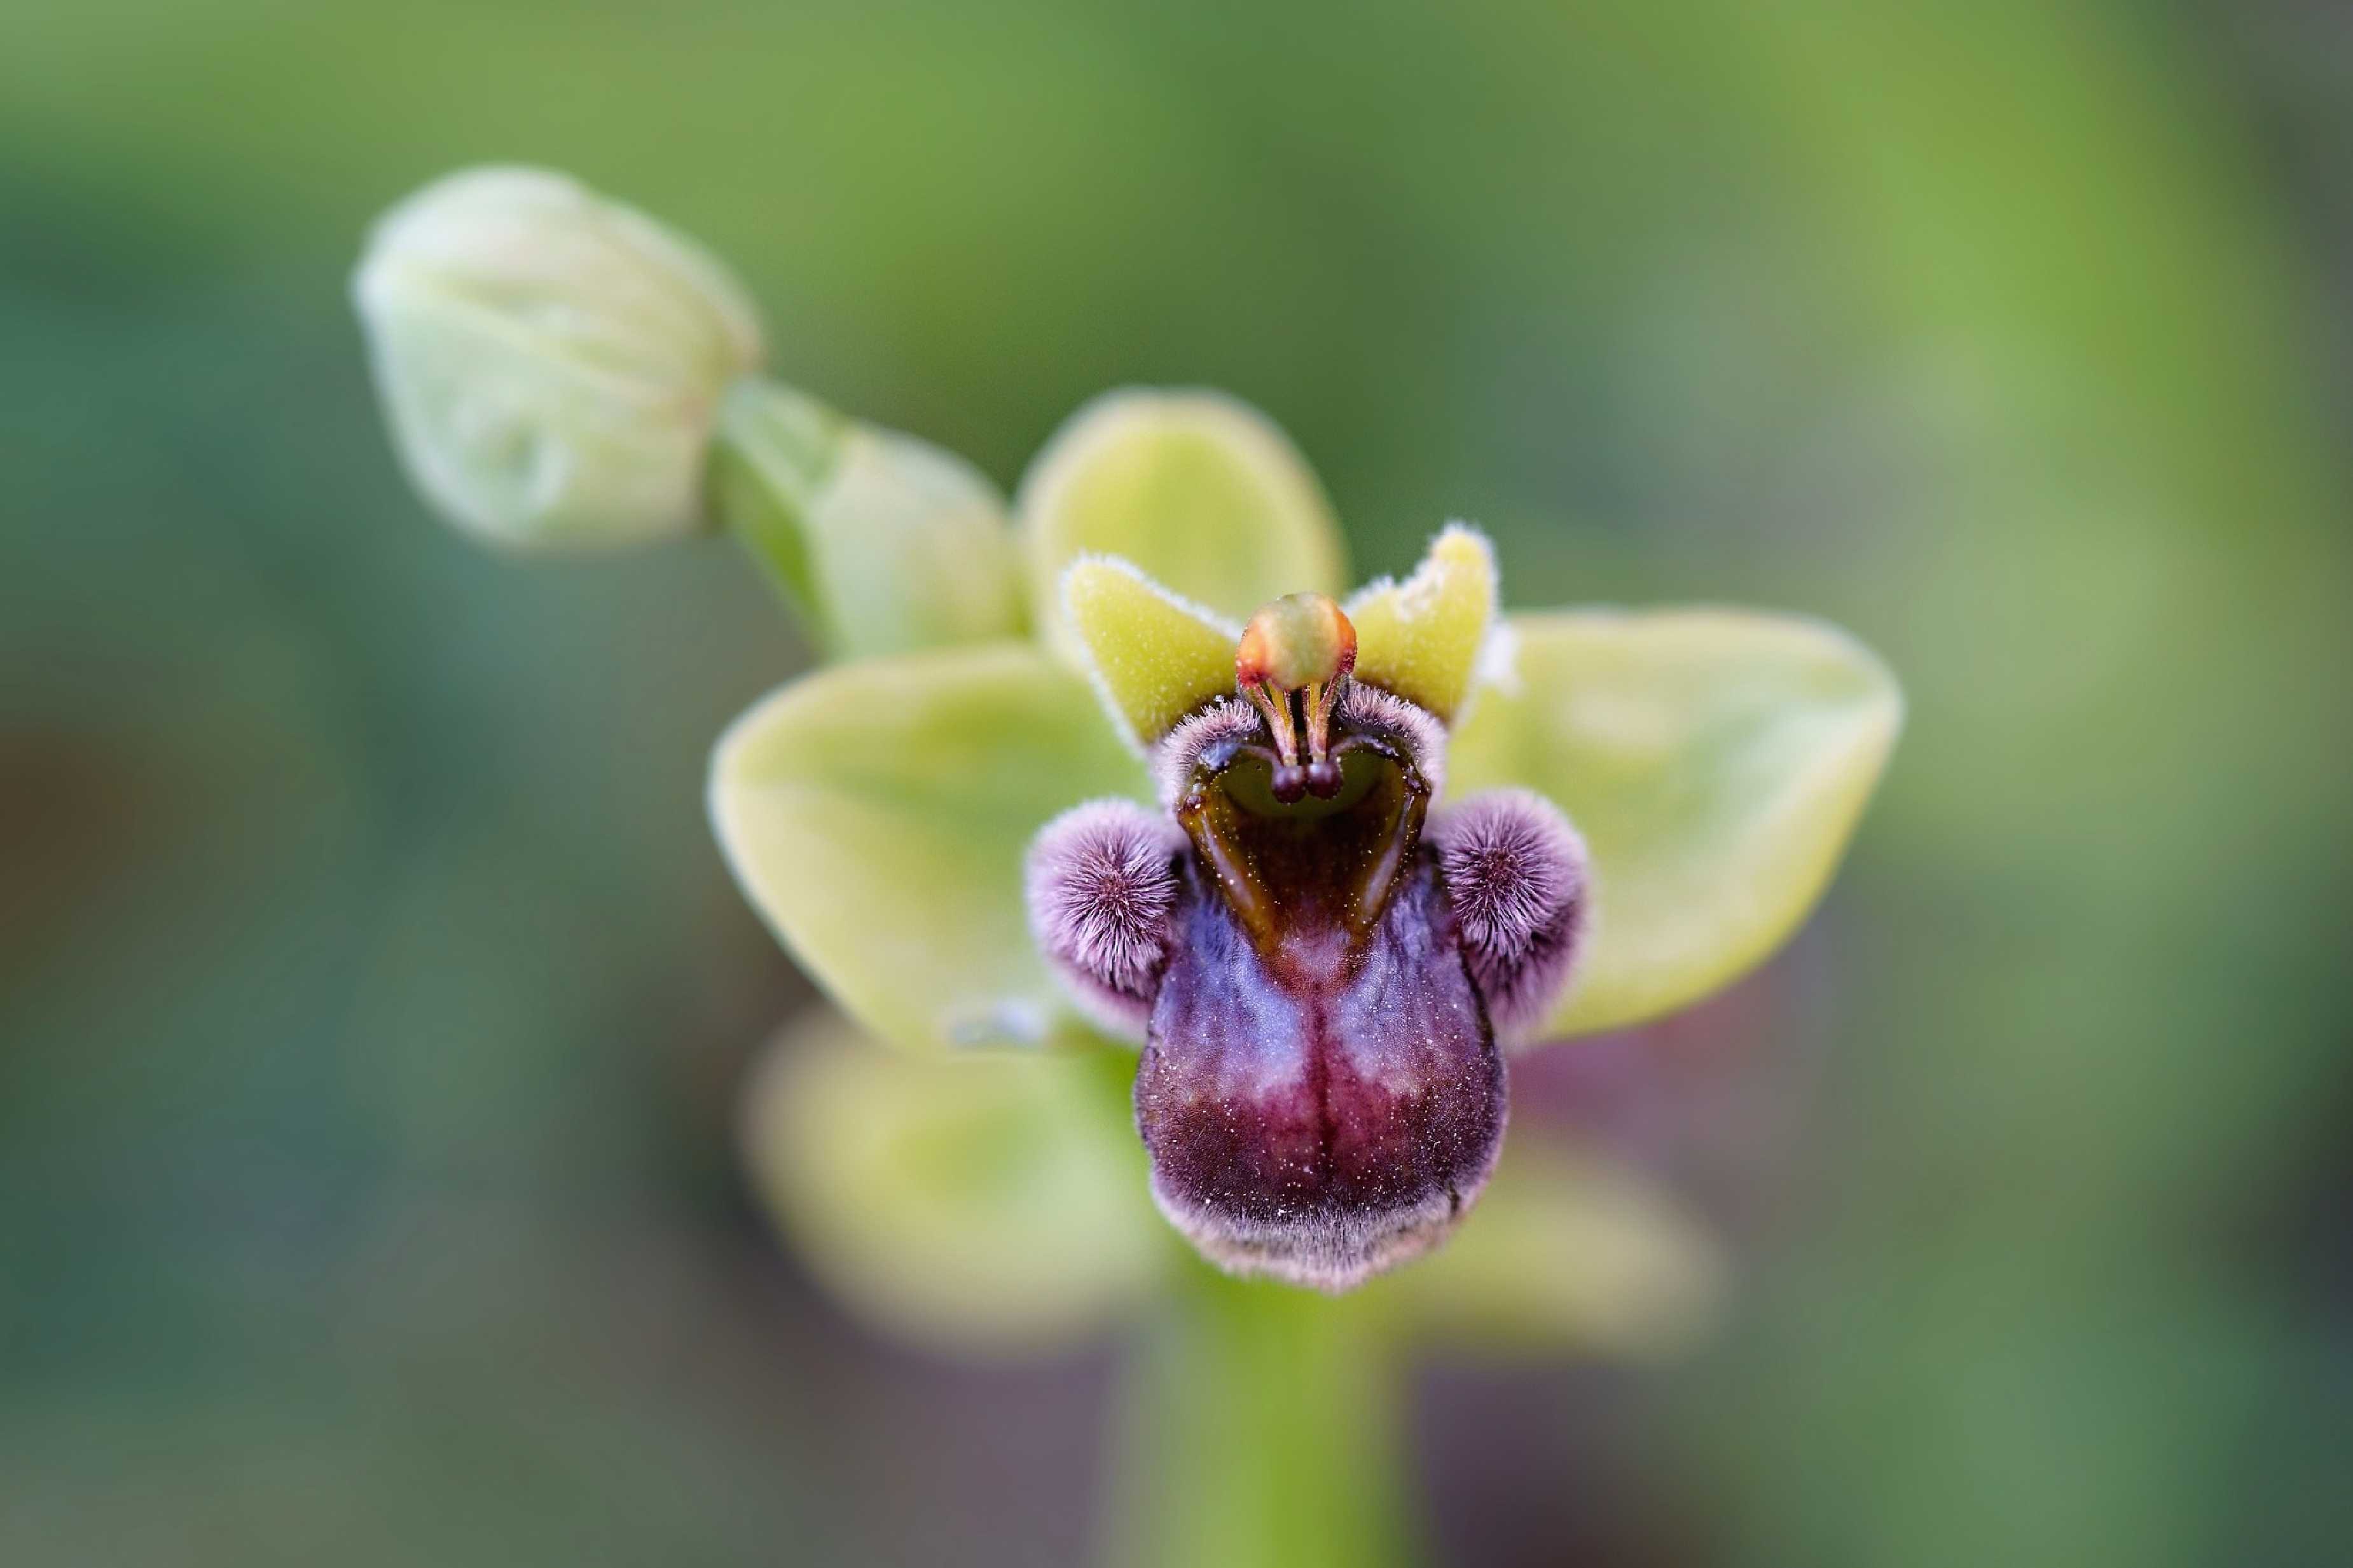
x=1307 y=879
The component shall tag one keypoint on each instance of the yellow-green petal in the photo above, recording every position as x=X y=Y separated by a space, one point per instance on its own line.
x=982 y=1205
x=1717 y=763
x=1201 y=491
x=1422 y=638
x=877 y=814
x=1568 y=1249
x=1154 y=657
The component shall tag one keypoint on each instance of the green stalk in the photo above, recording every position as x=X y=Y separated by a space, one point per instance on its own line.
x=1261 y=1429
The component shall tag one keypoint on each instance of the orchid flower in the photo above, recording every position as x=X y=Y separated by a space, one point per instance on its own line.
x=1144 y=867
x=1323 y=863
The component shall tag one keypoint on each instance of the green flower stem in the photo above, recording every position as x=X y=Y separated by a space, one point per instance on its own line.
x=1262 y=1430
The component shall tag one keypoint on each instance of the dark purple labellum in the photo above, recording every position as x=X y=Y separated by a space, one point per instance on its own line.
x=1321 y=1093
x=1318 y=986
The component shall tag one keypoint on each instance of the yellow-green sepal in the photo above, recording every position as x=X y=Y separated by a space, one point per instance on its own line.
x=1423 y=638
x=990 y=1205
x=1568 y=1249
x=1153 y=657
x=1717 y=763
x=1201 y=491
x=876 y=815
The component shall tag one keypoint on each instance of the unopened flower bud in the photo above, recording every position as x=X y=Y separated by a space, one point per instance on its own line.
x=552 y=362
x=882 y=543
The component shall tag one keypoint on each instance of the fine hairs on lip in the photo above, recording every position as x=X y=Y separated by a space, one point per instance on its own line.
x=1101 y=888
x=1515 y=870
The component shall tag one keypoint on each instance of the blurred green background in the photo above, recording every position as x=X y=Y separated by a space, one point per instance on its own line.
x=373 y=1001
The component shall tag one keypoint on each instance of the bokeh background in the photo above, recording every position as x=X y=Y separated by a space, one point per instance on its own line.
x=373 y=1002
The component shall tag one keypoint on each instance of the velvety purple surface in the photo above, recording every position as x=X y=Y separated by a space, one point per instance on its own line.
x=1516 y=876
x=1324 y=1111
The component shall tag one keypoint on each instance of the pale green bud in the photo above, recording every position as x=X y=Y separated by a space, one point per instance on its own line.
x=882 y=543
x=552 y=361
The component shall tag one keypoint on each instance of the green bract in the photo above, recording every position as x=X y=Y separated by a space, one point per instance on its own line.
x=881 y=544
x=877 y=814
